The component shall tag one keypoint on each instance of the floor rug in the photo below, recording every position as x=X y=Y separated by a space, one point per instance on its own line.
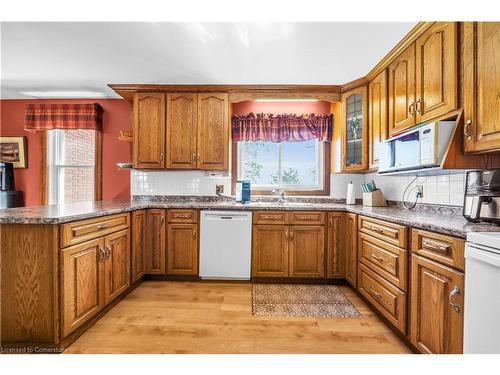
x=296 y=300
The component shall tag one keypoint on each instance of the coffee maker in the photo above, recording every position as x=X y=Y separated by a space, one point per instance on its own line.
x=482 y=196
x=9 y=196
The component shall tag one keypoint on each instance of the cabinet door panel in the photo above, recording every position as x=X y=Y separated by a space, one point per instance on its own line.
x=213 y=131
x=270 y=251
x=139 y=244
x=182 y=249
x=436 y=326
x=402 y=91
x=335 y=249
x=155 y=262
x=117 y=264
x=378 y=116
x=482 y=86
x=149 y=130
x=82 y=272
x=182 y=125
x=351 y=249
x=355 y=130
x=307 y=251
x=436 y=73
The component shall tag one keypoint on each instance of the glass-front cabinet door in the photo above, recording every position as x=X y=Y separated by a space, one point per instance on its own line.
x=355 y=130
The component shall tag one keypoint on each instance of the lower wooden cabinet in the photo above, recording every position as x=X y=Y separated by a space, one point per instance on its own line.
x=116 y=264
x=307 y=251
x=93 y=273
x=436 y=317
x=82 y=283
x=139 y=244
x=351 y=250
x=270 y=251
x=335 y=249
x=155 y=258
x=182 y=249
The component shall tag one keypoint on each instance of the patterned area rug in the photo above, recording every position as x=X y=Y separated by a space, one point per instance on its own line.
x=326 y=301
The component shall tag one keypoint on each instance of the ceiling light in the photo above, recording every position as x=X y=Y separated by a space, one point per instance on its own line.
x=64 y=94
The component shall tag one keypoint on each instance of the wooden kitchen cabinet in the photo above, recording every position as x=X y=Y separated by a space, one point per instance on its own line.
x=436 y=72
x=335 y=249
x=270 y=251
x=182 y=249
x=402 y=91
x=481 y=101
x=182 y=128
x=377 y=99
x=355 y=130
x=82 y=283
x=155 y=260
x=139 y=244
x=116 y=265
x=351 y=251
x=436 y=307
x=213 y=132
x=307 y=251
x=149 y=131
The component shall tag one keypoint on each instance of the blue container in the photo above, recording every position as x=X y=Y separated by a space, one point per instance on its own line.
x=243 y=191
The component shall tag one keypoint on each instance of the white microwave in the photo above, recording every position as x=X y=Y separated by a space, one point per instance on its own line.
x=422 y=147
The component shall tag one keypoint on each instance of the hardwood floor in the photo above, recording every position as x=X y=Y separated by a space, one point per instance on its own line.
x=208 y=317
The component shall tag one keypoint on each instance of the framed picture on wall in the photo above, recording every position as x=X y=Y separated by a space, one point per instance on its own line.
x=14 y=150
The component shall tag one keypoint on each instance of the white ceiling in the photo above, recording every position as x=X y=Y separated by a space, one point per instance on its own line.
x=79 y=59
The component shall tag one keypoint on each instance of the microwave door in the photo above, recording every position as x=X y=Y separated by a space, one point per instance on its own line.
x=407 y=151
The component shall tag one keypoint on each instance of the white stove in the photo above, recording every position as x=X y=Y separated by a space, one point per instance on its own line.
x=482 y=293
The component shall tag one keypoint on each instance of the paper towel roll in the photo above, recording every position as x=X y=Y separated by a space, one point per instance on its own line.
x=351 y=199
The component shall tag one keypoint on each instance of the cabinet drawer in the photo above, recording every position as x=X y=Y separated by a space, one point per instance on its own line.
x=387 y=260
x=84 y=230
x=270 y=217
x=182 y=216
x=307 y=218
x=385 y=297
x=443 y=249
x=393 y=233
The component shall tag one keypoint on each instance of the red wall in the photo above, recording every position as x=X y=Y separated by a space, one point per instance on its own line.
x=277 y=107
x=115 y=182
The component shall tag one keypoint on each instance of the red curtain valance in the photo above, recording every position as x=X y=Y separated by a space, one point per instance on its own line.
x=281 y=128
x=63 y=116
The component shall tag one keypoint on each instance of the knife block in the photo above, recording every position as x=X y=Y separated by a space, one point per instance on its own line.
x=374 y=199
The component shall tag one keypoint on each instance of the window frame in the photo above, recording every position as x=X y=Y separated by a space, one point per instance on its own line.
x=46 y=168
x=292 y=190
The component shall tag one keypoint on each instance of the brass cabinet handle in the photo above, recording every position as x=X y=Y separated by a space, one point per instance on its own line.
x=162 y=219
x=291 y=235
x=411 y=109
x=193 y=158
x=107 y=252
x=101 y=226
x=270 y=217
x=182 y=216
x=431 y=245
x=161 y=157
x=418 y=106
x=454 y=292
x=331 y=222
x=377 y=258
x=194 y=234
x=376 y=229
x=198 y=157
x=102 y=255
x=467 y=126
x=375 y=293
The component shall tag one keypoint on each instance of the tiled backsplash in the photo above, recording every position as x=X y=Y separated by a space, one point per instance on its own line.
x=446 y=189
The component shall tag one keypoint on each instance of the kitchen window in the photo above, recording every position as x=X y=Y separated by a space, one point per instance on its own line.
x=73 y=170
x=295 y=167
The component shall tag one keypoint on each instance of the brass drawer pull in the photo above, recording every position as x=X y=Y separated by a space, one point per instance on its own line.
x=182 y=216
x=270 y=217
x=375 y=293
x=101 y=226
x=454 y=292
x=431 y=245
x=304 y=217
x=377 y=258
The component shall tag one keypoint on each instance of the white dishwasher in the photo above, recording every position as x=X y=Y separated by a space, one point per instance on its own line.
x=225 y=245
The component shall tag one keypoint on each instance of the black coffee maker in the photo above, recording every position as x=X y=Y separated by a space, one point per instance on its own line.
x=9 y=196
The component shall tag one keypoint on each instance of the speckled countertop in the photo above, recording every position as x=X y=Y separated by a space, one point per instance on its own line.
x=451 y=223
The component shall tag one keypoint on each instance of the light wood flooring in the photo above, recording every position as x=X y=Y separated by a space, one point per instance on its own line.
x=209 y=317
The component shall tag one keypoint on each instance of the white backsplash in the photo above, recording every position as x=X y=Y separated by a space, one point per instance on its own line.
x=447 y=189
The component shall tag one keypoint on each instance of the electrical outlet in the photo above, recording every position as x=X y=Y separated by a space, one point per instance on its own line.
x=219 y=189
x=420 y=191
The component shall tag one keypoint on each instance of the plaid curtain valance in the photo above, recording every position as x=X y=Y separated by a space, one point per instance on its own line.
x=281 y=128
x=63 y=116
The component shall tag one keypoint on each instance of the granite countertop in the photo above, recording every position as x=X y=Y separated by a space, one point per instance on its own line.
x=451 y=223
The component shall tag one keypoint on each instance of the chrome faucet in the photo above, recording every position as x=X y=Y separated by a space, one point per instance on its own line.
x=280 y=194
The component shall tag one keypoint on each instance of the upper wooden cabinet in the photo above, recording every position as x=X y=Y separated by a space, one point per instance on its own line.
x=377 y=99
x=149 y=130
x=355 y=130
x=423 y=78
x=213 y=132
x=182 y=129
x=481 y=69
x=436 y=72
